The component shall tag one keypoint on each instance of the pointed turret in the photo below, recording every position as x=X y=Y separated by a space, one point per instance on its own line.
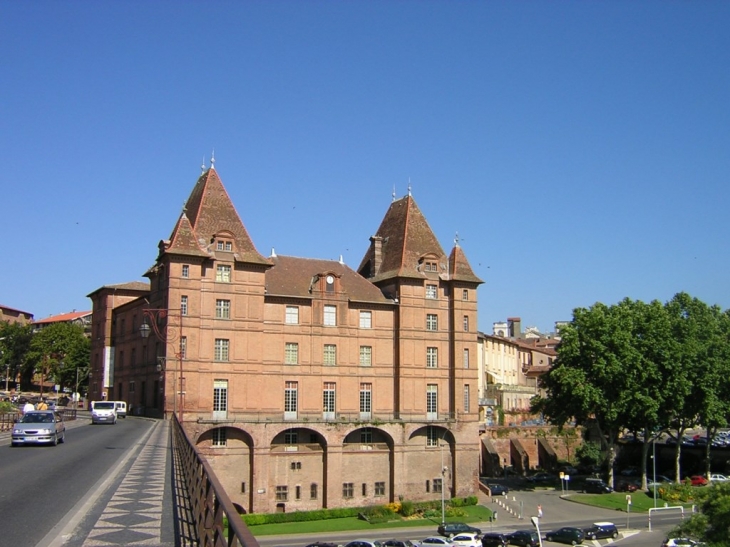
x=402 y=242
x=459 y=267
x=209 y=212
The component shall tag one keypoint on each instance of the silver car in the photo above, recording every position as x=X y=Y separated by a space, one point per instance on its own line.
x=39 y=427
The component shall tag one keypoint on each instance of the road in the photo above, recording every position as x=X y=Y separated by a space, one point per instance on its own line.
x=41 y=484
x=557 y=512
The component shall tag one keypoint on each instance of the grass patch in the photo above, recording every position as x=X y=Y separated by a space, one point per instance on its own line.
x=641 y=502
x=474 y=513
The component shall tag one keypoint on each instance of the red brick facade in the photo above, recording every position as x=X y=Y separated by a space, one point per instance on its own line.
x=307 y=384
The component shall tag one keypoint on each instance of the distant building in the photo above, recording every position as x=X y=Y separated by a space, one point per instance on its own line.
x=11 y=315
x=80 y=318
x=306 y=383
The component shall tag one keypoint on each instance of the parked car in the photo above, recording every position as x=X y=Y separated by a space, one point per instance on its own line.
x=435 y=541
x=698 y=480
x=567 y=534
x=596 y=486
x=449 y=529
x=39 y=427
x=364 y=543
x=626 y=486
x=601 y=530
x=660 y=480
x=569 y=470
x=498 y=489
x=397 y=543
x=542 y=478
x=495 y=540
x=524 y=538
x=322 y=544
x=716 y=477
x=680 y=542
x=466 y=539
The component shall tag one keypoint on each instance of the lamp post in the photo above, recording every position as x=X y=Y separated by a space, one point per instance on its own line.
x=443 y=480
x=653 y=459
x=166 y=331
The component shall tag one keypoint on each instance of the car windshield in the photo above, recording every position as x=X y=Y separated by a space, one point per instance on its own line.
x=37 y=419
x=103 y=406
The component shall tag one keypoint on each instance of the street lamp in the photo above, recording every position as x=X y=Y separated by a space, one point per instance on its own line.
x=169 y=333
x=443 y=481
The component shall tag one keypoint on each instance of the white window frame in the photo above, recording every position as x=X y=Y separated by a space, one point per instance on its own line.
x=223 y=273
x=366 y=400
x=329 y=355
x=184 y=304
x=465 y=357
x=431 y=291
x=432 y=322
x=366 y=319
x=291 y=400
x=222 y=350
x=291 y=353
x=222 y=308
x=220 y=399
x=432 y=401
x=185 y=271
x=366 y=356
x=432 y=357
x=329 y=400
x=466 y=323
x=330 y=316
x=219 y=438
x=292 y=315
x=467 y=398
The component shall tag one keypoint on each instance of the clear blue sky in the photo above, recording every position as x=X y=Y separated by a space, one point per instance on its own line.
x=581 y=150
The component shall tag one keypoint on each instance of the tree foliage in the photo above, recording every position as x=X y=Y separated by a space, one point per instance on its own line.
x=14 y=346
x=57 y=351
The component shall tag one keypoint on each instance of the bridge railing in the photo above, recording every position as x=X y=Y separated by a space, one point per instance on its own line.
x=217 y=522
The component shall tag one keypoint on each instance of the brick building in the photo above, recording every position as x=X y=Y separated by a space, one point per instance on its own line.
x=306 y=383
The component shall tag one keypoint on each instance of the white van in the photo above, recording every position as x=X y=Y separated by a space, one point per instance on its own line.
x=121 y=409
x=103 y=412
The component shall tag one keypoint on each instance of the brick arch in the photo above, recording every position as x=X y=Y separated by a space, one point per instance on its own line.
x=431 y=459
x=378 y=436
x=304 y=435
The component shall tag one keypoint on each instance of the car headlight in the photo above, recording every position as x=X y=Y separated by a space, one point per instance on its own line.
x=44 y=431
x=17 y=431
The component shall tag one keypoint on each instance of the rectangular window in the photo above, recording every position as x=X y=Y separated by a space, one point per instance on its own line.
x=432 y=357
x=223 y=273
x=185 y=270
x=432 y=321
x=466 y=323
x=432 y=397
x=330 y=316
x=183 y=347
x=431 y=292
x=432 y=438
x=364 y=489
x=428 y=486
x=348 y=490
x=366 y=400
x=292 y=315
x=220 y=399
x=222 y=309
x=328 y=400
x=466 y=357
x=131 y=386
x=219 y=436
x=298 y=492
x=437 y=485
x=466 y=398
x=219 y=245
x=290 y=437
x=366 y=356
x=221 y=349
x=366 y=319
x=313 y=491
x=330 y=354
x=379 y=488
x=465 y=294
x=290 y=400
x=291 y=353
x=282 y=493
x=183 y=305
x=133 y=358
x=366 y=436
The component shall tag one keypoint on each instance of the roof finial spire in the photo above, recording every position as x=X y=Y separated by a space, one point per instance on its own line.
x=393 y=194
x=456 y=239
x=202 y=165
x=212 y=160
x=409 y=186
x=185 y=208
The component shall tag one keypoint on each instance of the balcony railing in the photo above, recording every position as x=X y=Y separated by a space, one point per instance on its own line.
x=318 y=418
x=217 y=522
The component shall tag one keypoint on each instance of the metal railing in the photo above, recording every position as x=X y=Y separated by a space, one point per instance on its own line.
x=302 y=418
x=217 y=522
x=8 y=419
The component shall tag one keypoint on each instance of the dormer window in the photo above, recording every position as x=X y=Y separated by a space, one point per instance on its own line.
x=430 y=267
x=223 y=245
x=329 y=283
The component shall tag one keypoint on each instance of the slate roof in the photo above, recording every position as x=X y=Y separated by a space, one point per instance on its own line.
x=294 y=276
x=209 y=211
x=129 y=286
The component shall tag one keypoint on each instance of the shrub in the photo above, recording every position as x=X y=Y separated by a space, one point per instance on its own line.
x=407 y=508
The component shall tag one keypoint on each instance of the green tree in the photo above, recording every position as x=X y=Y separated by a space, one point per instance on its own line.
x=57 y=351
x=608 y=369
x=712 y=523
x=14 y=345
